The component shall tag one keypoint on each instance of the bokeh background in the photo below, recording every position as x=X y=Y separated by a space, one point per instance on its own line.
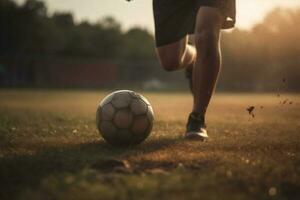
x=110 y=45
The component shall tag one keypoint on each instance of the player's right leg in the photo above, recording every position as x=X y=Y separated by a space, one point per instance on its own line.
x=206 y=69
x=177 y=55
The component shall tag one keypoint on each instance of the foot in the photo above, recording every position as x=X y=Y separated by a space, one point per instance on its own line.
x=189 y=76
x=195 y=128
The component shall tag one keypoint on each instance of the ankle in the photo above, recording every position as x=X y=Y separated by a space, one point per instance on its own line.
x=198 y=116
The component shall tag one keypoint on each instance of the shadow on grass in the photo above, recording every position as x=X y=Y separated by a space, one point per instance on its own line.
x=27 y=171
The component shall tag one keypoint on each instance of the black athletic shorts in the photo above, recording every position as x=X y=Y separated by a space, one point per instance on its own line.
x=174 y=19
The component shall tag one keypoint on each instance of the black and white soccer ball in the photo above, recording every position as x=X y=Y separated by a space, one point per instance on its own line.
x=124 y=118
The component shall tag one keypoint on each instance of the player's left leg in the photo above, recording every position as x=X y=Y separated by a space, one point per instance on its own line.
x=206 y=68
x=177 y=55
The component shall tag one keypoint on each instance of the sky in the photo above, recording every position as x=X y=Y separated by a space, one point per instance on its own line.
x=139 y=12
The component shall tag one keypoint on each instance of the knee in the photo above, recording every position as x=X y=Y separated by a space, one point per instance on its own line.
x=207 y=41
x=170 y=63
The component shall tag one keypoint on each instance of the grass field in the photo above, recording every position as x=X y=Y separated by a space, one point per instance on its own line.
x=50 y=149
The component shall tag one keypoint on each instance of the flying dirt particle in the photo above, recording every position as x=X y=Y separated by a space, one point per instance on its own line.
x=272 y=191
x=250 y=111
x=278 y=95
x=284 y=80
x=290 y=102
x=261 y=107
x=285 y=101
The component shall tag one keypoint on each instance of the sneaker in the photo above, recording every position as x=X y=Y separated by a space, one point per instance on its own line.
x=195 y=128
x=189 y=76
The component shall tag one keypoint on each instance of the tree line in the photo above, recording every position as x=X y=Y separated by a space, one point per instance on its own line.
x=28 y=29
x=265 y=57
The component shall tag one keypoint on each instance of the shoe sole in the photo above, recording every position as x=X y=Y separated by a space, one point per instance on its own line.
x=196 y=136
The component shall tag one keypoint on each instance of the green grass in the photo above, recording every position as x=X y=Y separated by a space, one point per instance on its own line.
x=49 y=146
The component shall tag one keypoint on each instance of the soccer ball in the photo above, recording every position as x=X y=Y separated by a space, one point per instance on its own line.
x=124 y=118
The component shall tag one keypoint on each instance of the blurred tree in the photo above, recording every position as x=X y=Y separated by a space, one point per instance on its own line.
x=261 y=58
x=138 y=44
x=63 y=20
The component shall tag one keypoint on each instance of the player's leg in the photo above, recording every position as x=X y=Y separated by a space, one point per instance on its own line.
x=208 y=60
x=176 y=56
x=206 y=69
